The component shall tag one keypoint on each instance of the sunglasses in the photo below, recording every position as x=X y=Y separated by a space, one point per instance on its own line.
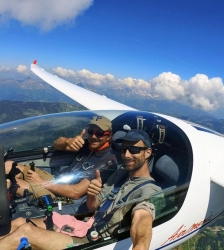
x=97 y=133
x=132 y=149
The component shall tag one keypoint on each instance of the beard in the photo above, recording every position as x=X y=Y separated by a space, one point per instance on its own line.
x=95 y=141
x=134 y=166
x=92 y=140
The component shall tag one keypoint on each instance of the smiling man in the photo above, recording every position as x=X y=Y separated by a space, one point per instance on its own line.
x=93 y=153
x=134 y=183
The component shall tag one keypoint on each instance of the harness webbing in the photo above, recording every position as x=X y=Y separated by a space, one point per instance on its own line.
x=78 y=164
x=112 y=195
x=100 y=219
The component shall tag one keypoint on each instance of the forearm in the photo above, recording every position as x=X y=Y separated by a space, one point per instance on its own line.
x=60 y=143
x=70 y=191
x=69 y=144
x=92 y=202
x=141 y=230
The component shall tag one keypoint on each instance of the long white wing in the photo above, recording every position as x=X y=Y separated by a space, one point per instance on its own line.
x=86 y=98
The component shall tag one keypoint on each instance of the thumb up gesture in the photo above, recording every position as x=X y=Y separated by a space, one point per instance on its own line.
x=76 y=143
x=95 y=185
x=98 y=177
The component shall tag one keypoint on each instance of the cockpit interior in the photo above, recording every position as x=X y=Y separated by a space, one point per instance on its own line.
x=30 y=142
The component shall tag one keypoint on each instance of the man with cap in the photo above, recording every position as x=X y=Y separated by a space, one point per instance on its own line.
x=93 y=153
x=133 y=182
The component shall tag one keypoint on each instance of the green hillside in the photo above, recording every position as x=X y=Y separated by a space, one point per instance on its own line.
x=15 y=110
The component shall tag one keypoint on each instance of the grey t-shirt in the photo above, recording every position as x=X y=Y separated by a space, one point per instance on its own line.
x=136 y=200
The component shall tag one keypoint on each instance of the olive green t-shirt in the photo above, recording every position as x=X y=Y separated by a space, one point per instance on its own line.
x=138 y=199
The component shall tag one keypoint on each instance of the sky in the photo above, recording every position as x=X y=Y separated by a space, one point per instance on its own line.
x=172 y=49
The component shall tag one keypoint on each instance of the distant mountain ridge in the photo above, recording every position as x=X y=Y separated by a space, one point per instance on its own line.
x=36 y=91
x=15 y=110
x=33 y=90
x=29 y=90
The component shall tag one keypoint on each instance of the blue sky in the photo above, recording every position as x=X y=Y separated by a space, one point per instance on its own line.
x=172 y=49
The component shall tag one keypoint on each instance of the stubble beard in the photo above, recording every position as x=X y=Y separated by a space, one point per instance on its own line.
x=136 y=166
x=93 y=141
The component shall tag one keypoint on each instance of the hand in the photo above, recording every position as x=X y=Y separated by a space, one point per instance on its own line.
x=95 y=185
x=76 y=143
x=34 y=177
x=8 y=183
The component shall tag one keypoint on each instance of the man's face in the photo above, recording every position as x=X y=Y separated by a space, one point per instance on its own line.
x=132 y=161
x=97 y=137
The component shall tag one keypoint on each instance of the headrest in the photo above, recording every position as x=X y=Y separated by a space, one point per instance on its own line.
x=117 y=135
x=172 y=168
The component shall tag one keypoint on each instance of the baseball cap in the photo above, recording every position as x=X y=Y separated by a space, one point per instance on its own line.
x=136 y=135
x=102 y=122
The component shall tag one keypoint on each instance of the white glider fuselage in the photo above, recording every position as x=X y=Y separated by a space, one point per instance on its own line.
x=203 y=202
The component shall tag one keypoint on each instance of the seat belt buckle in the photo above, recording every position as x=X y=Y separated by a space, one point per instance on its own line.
x=111 y=196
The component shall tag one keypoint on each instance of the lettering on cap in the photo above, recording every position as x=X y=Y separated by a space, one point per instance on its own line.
x=98 y=118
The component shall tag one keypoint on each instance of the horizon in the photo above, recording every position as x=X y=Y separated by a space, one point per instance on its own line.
x=172 y=49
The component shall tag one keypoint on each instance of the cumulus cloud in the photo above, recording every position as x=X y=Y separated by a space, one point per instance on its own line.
x=43 y=14
x=168 y=85
x=3 y=68
x=204 y=92
x=22 y=69
x=199 y=91
x=135 y=83
x=87 y=77
x=64 y=72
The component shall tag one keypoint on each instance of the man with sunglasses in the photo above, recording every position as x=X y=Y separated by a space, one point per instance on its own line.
x=92 y=153
x=132 y=182
x=122 y=201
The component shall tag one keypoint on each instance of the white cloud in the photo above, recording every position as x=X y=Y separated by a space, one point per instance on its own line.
x=45 y=14
x=134 y=83
x=86 y=77
x=168 y=85
x=205 y=93
x=202 y=102
x=22 y=69
x=3 y=68
x=199 y=91
x=64 y=72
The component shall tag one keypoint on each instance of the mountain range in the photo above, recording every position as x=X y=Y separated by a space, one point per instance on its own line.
x=37 y=91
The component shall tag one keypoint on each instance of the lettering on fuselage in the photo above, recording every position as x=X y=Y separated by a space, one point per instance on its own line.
x=182 y=231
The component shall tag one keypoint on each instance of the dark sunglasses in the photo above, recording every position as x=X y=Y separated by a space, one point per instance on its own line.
x=97 y=133
x=132 y=149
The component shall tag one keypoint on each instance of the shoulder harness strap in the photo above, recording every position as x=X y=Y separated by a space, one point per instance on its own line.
x=100 y=218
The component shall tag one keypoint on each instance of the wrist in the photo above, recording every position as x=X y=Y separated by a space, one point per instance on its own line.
x=44 y=183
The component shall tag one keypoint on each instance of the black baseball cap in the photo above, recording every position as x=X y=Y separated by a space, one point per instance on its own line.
x=136 y=135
